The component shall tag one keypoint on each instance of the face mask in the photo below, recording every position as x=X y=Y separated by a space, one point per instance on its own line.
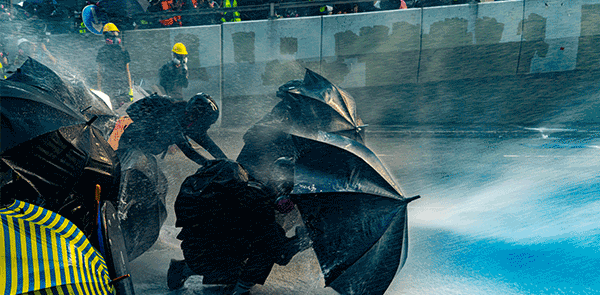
x=178 y=61
x=113 y=41
x=112 y=38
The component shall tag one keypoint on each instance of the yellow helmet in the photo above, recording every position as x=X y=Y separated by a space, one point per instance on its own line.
x=110 y=27
x=179 y=48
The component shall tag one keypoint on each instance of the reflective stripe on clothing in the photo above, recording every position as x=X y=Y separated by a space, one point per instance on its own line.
x=231 y=16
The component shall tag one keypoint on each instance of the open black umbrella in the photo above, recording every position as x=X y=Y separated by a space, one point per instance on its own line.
x=320 y=105
x=308 y=105
x=67 y=90
x=355 y=212
x=53 y=156
x=51 y=151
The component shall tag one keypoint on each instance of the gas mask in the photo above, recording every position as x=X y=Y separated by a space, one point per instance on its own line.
x=112 y=39
x=179 y=59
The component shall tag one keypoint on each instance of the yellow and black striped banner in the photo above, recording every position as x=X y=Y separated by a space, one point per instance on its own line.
x=42 y=252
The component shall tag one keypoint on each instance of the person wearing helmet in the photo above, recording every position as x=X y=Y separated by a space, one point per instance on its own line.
x=173 y=76
x=158 y=123
x=200 y=113
x=113 y=60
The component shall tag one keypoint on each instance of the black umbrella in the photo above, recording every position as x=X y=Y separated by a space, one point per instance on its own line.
x=51 y=152
x=142 y=200
x=320 y=105
x=308 y=105
x=355 y=212
x=53 y=156
x=67 y=90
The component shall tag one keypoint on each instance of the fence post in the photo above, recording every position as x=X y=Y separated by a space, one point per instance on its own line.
x=271 y=10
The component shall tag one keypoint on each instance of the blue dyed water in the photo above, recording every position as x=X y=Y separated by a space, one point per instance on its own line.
x=502 y=213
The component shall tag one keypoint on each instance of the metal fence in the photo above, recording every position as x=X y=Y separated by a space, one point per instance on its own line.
x=206 y=16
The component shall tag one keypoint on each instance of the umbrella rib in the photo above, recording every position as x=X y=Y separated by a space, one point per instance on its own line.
x=362 y=255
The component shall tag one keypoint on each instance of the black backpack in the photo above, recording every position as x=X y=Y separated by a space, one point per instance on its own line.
x=149 y=108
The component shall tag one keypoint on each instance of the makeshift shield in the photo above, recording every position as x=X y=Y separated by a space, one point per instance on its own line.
x=355 y=213
x=307 y=106
x=142 y=200
x=317 y=104
x=42 y=252
x=52 y=156
x=67 y=90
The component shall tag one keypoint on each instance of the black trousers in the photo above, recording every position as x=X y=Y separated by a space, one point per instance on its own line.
x=226 y=256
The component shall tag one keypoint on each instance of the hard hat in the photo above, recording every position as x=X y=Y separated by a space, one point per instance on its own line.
x=110 y=27
x=203 y=106
x=179 y=48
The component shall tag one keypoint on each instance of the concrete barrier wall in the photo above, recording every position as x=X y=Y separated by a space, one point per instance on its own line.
x=470 y=41
x=259 y=56
x=391 y=47
x=244 y=63
x=588 y=50
x=380 y=48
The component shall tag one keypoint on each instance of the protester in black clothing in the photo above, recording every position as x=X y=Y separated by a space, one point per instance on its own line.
x=173 y=75
x=114 y=77
x=229 y=233
x=158 y=123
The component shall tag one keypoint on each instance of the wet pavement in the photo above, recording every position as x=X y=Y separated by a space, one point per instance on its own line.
x=505 y=211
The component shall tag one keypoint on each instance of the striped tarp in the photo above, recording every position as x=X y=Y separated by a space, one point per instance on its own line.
x=42 y=252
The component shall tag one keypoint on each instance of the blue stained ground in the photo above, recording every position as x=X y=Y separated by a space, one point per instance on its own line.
x=510 y=204
x=512 y=211
x=506 y=216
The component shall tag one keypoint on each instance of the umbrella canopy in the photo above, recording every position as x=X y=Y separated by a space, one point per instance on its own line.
x=115 y=249
x=67 y=92
x=355 y=212
x=51 y=152
x=308 y=105
x=44 y=253
x=320 y=105
x=142 y=200
x=28 y=112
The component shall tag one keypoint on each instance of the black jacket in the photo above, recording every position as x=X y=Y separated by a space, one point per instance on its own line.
x=173 y=79
x=157 y=129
